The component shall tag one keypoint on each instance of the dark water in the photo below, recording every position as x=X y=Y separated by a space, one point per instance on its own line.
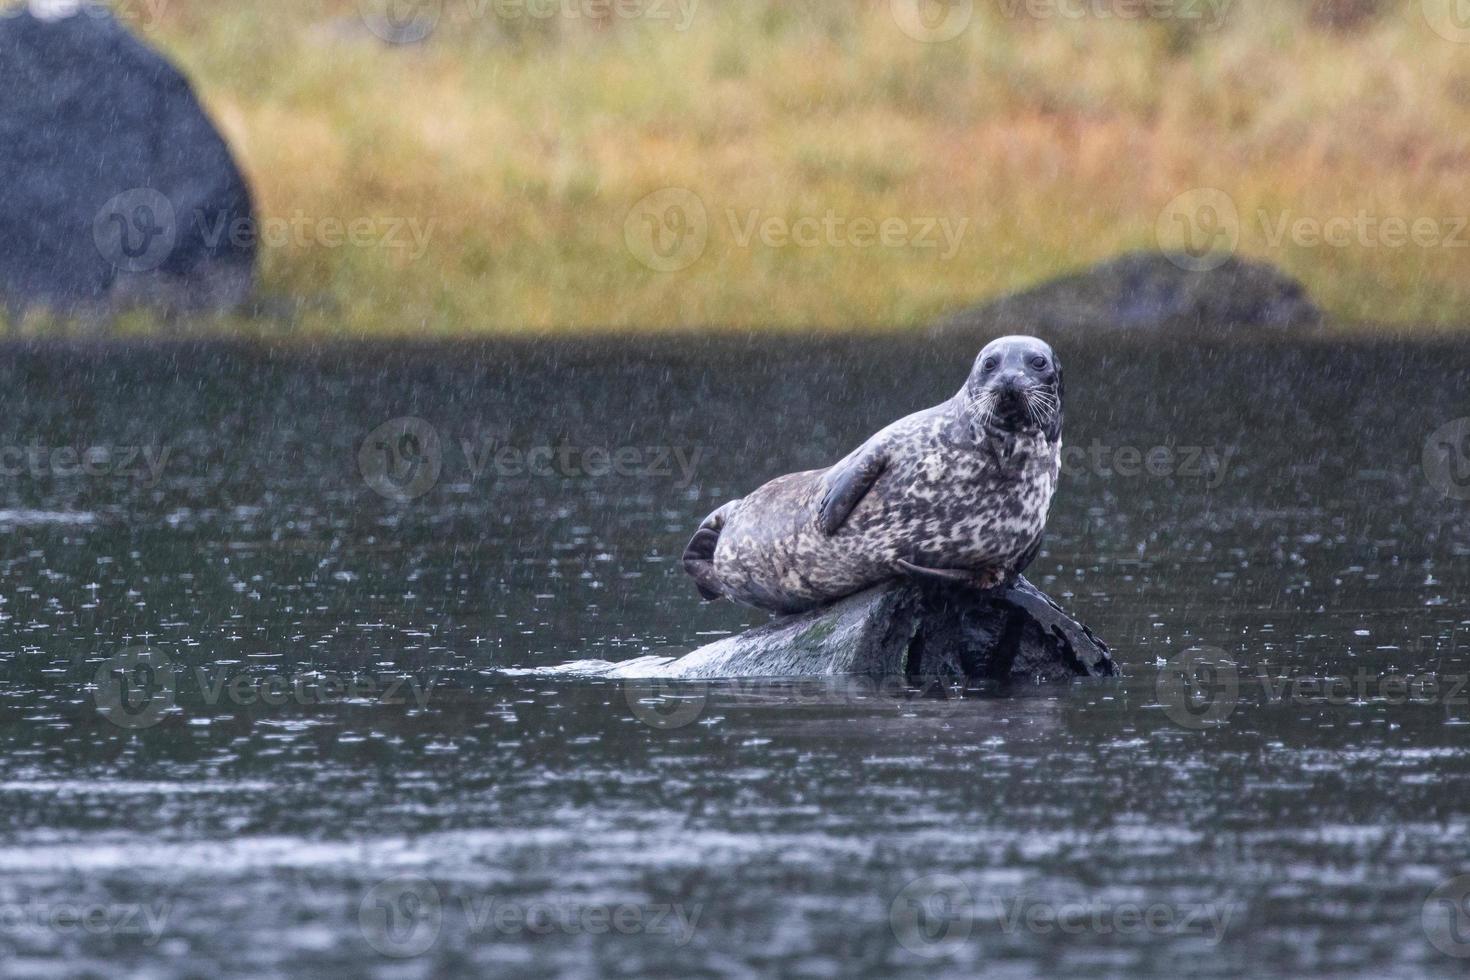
x=341 y=779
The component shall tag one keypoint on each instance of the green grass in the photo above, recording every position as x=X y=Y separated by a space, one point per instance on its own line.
x=522 y=147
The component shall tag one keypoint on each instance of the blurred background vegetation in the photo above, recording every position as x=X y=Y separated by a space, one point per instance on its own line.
x=522 y=143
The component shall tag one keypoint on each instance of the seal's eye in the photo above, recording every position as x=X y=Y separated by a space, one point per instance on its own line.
x=1039 y=362
x=989 y=365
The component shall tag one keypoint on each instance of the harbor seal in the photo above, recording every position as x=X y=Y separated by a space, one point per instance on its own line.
x=958 y=492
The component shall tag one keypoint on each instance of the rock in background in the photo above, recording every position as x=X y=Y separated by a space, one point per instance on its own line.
x=116 y=190
x=1144 y=291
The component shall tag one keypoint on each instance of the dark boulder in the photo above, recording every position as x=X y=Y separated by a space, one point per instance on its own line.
x=1144 y=291
x=904 y=629
x=116 y=190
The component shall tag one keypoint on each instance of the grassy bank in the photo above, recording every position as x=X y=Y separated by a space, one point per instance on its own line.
x=848 y=174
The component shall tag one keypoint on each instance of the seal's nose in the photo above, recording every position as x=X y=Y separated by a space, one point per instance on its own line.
x=1010 y=384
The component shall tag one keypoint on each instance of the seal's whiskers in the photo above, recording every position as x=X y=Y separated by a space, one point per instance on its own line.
x=1041 y=406
x=982 y=409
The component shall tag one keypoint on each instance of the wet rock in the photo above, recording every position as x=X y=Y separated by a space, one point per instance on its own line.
x=116 y=190
x=1144 y=291
x=905 y=629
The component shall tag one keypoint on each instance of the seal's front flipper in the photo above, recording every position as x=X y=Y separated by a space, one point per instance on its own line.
x=699 y=556
x=980 y=580
x=848 y=483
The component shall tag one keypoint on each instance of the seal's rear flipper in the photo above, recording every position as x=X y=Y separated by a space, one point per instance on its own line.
x=699 y=556
x=699 y=562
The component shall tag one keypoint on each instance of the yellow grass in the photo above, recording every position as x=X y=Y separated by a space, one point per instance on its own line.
x=520 y=147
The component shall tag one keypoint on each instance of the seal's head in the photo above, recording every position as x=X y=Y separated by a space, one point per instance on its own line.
x=1016 y=386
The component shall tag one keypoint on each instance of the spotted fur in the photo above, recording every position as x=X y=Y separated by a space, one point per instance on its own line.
x=959 y=489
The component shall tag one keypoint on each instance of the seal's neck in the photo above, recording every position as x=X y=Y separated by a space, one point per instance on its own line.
x=1011 y=447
